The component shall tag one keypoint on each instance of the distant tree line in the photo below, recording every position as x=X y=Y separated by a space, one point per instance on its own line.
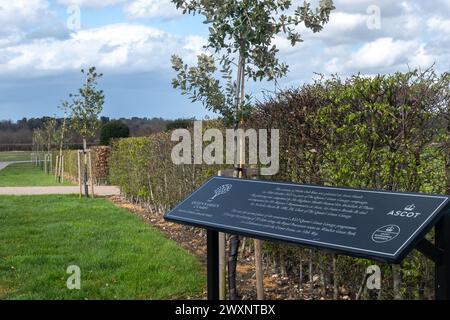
x=21 y=131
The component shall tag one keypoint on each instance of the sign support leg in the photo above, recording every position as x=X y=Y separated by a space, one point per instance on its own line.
x=442 y=239
x=213 y=264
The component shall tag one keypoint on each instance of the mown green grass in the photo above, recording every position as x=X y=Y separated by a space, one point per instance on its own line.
x=120 y=257
x=15 y=156
x=27 y=175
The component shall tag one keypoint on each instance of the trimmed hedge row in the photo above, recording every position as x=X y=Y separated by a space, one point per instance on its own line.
x=387 y=132
x=144 y=170
x=100 y=164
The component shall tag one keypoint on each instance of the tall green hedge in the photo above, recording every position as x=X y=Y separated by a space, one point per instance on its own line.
x=100 y=164
x=387 y=132
x=143 y=168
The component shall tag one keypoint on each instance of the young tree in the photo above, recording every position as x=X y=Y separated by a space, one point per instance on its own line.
x=38 y=144
x=241 y=35
x=49 y=131
x=61 y=136
x=241 y=42
x=86 y=106
x=51 y=138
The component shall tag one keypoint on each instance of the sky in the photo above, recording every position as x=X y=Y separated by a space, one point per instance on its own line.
x=44 y=44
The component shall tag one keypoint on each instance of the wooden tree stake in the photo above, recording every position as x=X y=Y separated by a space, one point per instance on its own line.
x=50 y=163
x=56 y=168
x=222 y=267
x=79 y=173
x=259 y=270
x=45 y=163
x=62 y=169
x=90 y=174
x=222 y=263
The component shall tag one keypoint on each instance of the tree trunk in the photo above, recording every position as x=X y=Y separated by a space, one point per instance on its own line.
x=362 y=287
x=79 y=172
x=335 y=279
x=61 y=146
x=300 y=274
x=234 y=240
x=57 y=168
x=259 y=270
x=283 y=269
x=222 y=266
x=323 y=283
x=447 y=164
x=397 y=279
x=85 y=166
x=91 y=174
x=232 y=263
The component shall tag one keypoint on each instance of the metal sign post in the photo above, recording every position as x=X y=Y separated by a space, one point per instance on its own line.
x=213 y=264
x=442 y=261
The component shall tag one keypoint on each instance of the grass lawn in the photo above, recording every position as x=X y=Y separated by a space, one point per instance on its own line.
x=120 y=257
x=27 y=175
x=15 y=156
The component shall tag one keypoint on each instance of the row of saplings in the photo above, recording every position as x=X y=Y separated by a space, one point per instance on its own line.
x=76 y=130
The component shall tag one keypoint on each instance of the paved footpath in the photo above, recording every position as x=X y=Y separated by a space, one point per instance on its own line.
x=31 y=191
x=4 y=164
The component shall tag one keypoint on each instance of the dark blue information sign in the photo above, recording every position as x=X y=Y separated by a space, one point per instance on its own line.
x=373 y=224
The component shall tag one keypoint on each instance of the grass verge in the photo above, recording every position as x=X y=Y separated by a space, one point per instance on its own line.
x=119 y=256
x=27 y=175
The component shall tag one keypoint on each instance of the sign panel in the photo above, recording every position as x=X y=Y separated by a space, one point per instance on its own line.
x=373 y=224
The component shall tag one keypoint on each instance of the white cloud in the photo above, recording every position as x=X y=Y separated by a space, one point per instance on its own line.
x=195 y=44
x=19 y=14
x=22 y=19
x=412 y=33
x=116 y=48
x=151 y=9
x=90 y=3
x=381 y=55
x=334 y=65
x=20 y=10
x=439 y=24
x=421 y=58
x=344 y=22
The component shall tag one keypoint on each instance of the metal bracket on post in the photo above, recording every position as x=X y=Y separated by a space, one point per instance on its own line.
x=213 y=264
x=442 y=273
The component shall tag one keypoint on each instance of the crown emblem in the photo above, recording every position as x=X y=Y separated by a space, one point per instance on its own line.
x=390 y=229
x=410 y=207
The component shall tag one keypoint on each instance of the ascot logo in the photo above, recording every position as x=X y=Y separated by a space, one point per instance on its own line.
x=407 y=212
